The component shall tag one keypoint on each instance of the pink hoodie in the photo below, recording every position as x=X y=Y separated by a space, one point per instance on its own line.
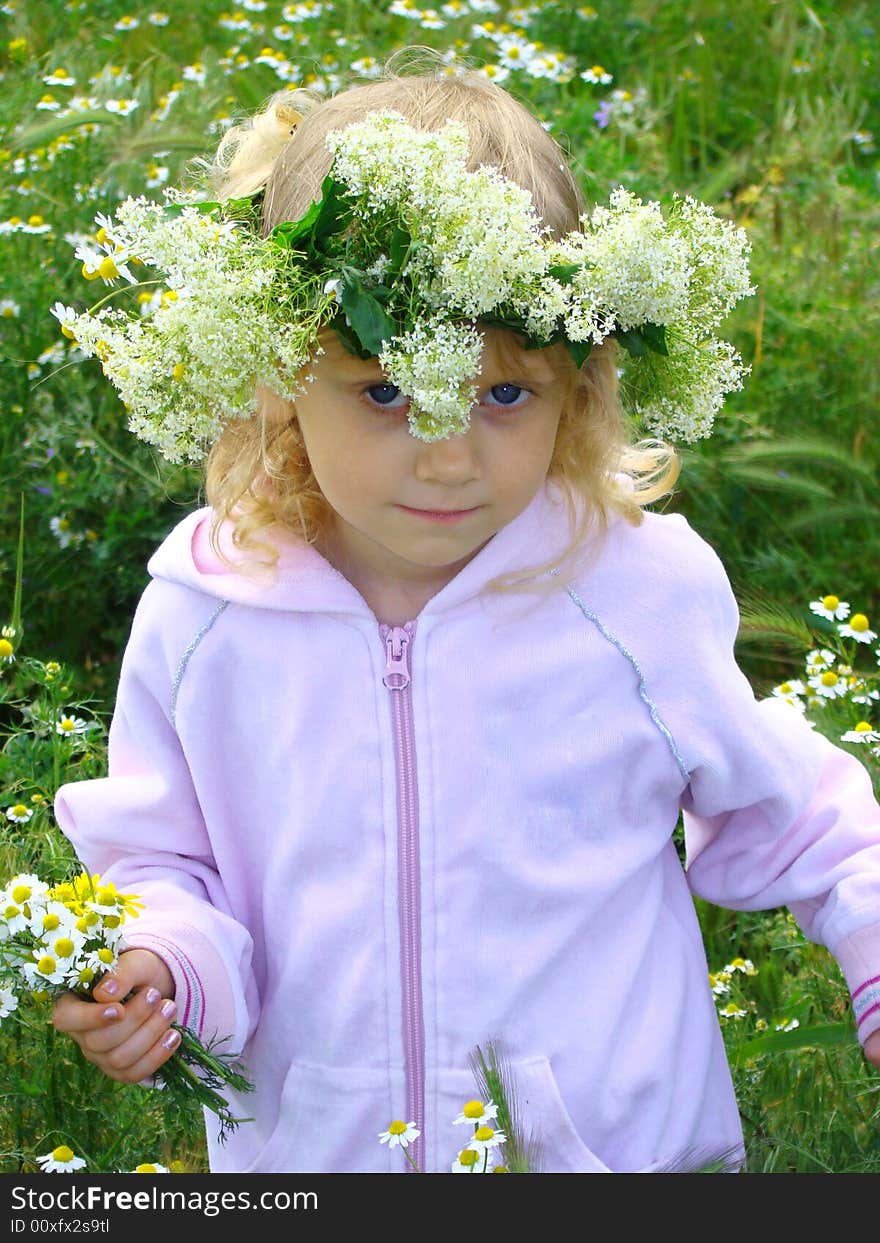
x=364 y=850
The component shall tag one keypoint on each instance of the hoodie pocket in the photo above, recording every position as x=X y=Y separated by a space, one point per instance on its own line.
x=542 y=1115
x=329 y=1122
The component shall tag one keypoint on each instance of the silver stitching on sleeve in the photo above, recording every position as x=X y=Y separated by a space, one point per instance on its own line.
x=643 y=690
x=185 y=658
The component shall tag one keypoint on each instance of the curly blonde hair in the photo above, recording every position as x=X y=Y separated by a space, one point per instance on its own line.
x=258 y=473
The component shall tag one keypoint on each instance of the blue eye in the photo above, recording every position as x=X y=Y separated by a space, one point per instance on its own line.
x=507 y=394
x=385 y=396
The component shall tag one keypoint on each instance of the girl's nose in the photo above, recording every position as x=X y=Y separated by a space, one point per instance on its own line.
x=451 y=460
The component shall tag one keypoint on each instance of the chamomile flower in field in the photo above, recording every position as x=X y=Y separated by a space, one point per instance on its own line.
x=59 y=77
x=399 y=1134
x=47 y=103
x=121 y=107
x=19 y=813
x=158 y=19
x=126 y=23
x=597 y=74
x=719 y=982
x=9 y=309
x=7 y=652
x=819 y=659
x=66 y=726
x=744 y=965
x=150 y=1167
x=828 y=684
x=732 y=1011
x=485 y=1137
x=468 y=1161
x=857 y=628
x=477 y=1114
x=60 y=1160
x=831 y=608
x=862 y=732
x=786 y=1025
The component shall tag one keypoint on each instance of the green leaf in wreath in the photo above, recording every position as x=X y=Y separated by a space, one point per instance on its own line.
x=369 y=320
x=639 y=340
x=564 y=272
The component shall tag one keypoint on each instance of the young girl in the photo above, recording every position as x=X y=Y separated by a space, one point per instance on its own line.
x=406 y=722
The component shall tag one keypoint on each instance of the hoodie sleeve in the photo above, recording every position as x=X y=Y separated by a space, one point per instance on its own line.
x=774 y=813
x=142 y=828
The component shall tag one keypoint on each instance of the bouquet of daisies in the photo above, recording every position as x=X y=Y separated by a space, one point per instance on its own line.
x=64 y=937
x=405 y=255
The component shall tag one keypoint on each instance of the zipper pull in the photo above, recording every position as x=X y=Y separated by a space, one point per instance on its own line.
x=397 y=641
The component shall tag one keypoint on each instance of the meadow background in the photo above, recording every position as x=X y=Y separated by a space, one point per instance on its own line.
x=765 y=108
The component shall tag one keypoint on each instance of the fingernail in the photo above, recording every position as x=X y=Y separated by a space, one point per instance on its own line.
x=110 y=987
x=111 y=1013
x=168 y=1011
x=171 y=1040
x=153 y=996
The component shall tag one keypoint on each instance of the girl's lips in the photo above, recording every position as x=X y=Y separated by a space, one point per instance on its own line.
x=451 y=515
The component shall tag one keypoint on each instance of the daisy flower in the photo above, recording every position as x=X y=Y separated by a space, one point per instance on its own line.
x=150 y=1167
x=857 y=628
x=121 y=107
x=477 y=1114
x=60 y=1160
x=862 y=732
x=7 y=652
x=468 y=1161
x=67 y=725
x=828 y=684
x=831 y=608
x=485 y=1138
x=399 y=1134
x=819 y=659
x=18 y=813
x=597 y=74
x=9 y=309
x=8 y=1002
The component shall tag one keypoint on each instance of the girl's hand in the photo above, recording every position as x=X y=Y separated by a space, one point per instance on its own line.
x=872 y=1049
x=129 y=1041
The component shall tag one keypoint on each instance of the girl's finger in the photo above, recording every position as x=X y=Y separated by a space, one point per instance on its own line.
x=72 y=1015
x=123 y=1041
x=146 y=1065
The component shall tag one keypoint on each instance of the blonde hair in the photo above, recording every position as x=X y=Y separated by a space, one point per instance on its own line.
x=258 y=472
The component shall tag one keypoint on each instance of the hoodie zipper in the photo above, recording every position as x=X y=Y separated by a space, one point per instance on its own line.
x=398 y=680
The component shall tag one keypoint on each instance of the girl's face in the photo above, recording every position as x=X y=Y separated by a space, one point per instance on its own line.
x=383 y=483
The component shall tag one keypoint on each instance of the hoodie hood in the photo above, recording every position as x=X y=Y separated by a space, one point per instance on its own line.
x=304 y=581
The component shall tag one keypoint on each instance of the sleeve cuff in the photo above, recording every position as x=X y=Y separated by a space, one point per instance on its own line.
x=859 y=958
x=204 y=998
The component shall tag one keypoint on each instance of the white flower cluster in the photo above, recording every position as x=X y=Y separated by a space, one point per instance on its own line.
x=460 y=245
x=194 y=363
x=58 y=937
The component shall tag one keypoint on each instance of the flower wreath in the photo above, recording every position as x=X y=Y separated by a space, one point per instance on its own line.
x=405 y=255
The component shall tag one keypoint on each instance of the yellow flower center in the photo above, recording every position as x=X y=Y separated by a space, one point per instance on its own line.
x=66 y=723
x=501 y=1169
x=169 y=296
x=46 y=965
x=146 y=1168
x=50 y=922
x=90 y=273
x=829 y=678
x=108 y=269
x=598 y=70
x=6 y=649
x=474 y=1109
x=21 y=893
x=863 y=727
x=830 y=603
x=483 y=1133
x=105 y=954
x=468 y=1157
x=397 y=1127
x=178 y=371
x=86 y=975
x=786 y=688
x=81 y=925
x=858 y=622
x=19 y=810
x=67 y=331
x=62 y=1153
x=112 y=921
x=63 y=947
